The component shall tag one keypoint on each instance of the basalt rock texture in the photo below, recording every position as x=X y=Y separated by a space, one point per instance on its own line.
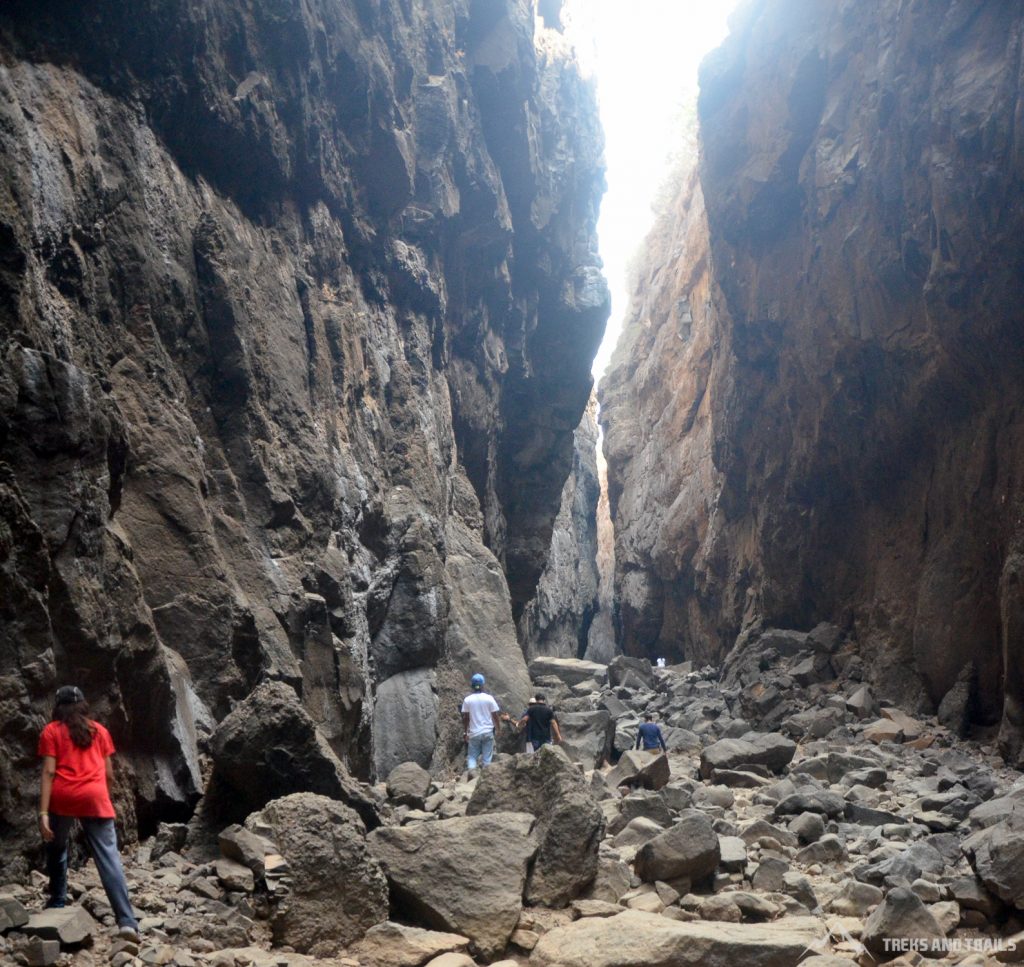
x=558 y=620
x=297 y=306
x=822 y=376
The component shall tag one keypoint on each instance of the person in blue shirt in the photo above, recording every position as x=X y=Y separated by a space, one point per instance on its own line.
x=650 y=735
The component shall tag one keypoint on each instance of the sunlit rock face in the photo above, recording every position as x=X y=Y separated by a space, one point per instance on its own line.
x=298 y=303
x=816 y=409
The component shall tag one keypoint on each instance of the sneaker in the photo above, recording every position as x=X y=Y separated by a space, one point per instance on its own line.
x=128 y=932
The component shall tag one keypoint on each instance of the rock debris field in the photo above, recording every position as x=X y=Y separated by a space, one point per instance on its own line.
x=795 y=819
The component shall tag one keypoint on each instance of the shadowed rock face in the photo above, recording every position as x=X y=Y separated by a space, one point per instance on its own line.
x=558 y=620
x=297 y=308
x=824 y=377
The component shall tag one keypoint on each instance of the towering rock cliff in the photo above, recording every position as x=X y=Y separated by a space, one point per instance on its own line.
x=298 y=300
x=823 y=375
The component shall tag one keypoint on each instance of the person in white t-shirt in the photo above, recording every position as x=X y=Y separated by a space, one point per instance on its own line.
x=481 y=720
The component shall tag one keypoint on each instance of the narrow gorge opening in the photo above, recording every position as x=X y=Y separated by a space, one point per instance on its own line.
x=482 y=543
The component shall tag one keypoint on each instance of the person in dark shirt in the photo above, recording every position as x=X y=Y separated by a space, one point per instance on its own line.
x=650 y=735
x=540 y=722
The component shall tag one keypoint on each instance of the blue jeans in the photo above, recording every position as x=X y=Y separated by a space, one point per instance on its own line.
x=102 y=839
x=481 y=748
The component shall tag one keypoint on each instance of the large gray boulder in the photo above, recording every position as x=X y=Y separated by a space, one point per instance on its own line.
x=631 y=672
x=464 y=875
x=571 y=671
x=408 y=784
x=405 y=720
x=688 y=849
x=769 y=749
x=268 y=747
x=641 y=770
x=586 y=736
x=997 y=855
x=338 y=890
x=901 y=916
x=71 y=926
x=635 y=939
x=570 y=823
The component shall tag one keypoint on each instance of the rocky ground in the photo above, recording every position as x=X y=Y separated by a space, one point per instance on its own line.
x=794 y=817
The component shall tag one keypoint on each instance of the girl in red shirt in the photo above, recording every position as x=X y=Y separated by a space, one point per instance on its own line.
x=76 y=769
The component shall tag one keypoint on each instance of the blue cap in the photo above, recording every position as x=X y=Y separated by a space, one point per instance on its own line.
x=477 y=680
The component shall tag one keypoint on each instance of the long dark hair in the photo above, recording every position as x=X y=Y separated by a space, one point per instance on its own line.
x=73 y=715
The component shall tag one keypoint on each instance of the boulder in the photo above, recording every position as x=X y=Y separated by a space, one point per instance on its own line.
x=12 y=913
x=908 y=864
x=769 y=749
x=405 y=720
x=770 y=875
x=828 y=849
x=452 y=959
x=268 y=747
x=569 y=826
x=338 y=890
x=862 y=703
x=811 y=801
x=688 y=849
x=234 y=876
x=71 y=926
x=570 y=671
x=901 y=916
x=464 y=875
x=586 y=736
x=392 y=944
x=643 y=802
x=36 y=952
x=855 y=899
x=408 y=784
x=907 y=724
x=622 y=667
x=612 y=880
x=808 y=827
x=997 y=855
x=632 y=939
x=245 y=847
x=637 y=832
x=624 y=735
x=642 y=770
x=883 y=730
x=734 y=854
x=971 y=895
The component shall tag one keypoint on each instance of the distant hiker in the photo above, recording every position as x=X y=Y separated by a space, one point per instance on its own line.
x=481 y=720
x=521 y=725
x=76 y=771
x=660 y=662
x=540 y=721
x=650 y=735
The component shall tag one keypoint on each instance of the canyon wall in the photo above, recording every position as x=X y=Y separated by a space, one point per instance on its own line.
x=298 y=301
x=816 y=410
x=558 y=620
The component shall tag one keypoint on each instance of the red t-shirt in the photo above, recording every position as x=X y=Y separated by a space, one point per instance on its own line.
x=80 y=785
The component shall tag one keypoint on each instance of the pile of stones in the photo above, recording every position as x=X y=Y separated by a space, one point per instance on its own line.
x=795 y=818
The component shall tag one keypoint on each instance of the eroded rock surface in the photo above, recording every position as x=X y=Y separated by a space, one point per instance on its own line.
x=297 y=308
x=815 y=410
